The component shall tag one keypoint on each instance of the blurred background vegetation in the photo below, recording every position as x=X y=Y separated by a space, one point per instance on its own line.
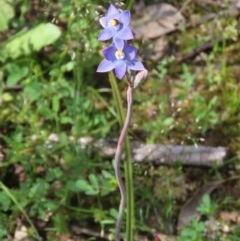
x=52 y=185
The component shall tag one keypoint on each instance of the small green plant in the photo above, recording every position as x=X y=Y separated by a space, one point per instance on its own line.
x=194 y=232
x=208 y=207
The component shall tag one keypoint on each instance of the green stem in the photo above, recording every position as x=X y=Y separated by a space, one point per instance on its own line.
x=117 y=99
x=128 y=163
x=130 y=191
x=129 y=4
x=7 y=191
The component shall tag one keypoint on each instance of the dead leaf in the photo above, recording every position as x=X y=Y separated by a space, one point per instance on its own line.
x=164 y=237
x=21 y=234
x=233 y=217
x=189 y=210
x=157 y=21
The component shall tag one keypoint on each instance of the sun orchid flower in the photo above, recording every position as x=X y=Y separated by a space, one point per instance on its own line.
x=121 y=58
x=116 y=26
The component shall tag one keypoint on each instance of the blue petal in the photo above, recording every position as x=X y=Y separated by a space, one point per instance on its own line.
x=109 y=53
x=105 y=66
x=106 y=34
x=119 y=43
x=120 y=69
x=125 y=17
x=130 y=52
x=104 y=22
x=112 y=12
x=136 y=65
x=125 y=33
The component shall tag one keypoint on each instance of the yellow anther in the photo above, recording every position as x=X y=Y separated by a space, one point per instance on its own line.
x=119 y=54
x=114 y=22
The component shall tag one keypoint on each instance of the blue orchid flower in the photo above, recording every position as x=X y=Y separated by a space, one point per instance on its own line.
x=116 y=26
x=121 y=59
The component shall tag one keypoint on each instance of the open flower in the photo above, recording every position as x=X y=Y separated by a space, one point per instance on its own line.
x=116 y=26
x=121 y=58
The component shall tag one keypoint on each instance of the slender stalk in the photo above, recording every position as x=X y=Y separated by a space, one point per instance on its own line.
x=130 y=191
x=118 y=161
x=129 y=199
x=128 y=167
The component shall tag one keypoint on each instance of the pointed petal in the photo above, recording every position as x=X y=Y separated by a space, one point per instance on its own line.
x=104 y=22
x=119 y=43
x=125 y=33
x=109 y=53
x=105 y=66
x=106 y=34
x=125 y=17
x=130 y=52
x=120 y=69
x=136 y=65
x=112 y=11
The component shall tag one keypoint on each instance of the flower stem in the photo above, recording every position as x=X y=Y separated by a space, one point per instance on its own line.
x=128 y=164
x=130 y=191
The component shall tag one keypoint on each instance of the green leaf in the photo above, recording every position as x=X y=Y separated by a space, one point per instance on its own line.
x=7 y=97
x=53 y=174
x=27 y=42
x=33 y=90
x=94 y=181
x=107 y=174
x=6 y=14
x=108 y=221
x=208 y=207
x=55 y=104
x=15 y=73
x=168 y=121
x=5 y=201
x=84 y=186
x=66 y=120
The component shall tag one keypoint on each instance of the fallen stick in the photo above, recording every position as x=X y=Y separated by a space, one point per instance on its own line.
x=164 y=154
x=207 y=46
x=231 y=12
